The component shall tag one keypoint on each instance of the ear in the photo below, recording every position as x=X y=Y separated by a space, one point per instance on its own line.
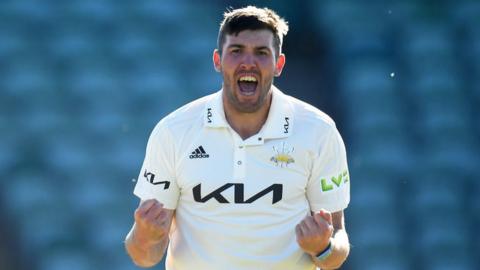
x=279 y=65
x=217 y=61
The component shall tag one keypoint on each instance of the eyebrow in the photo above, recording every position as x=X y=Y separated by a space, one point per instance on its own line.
x=243 y=46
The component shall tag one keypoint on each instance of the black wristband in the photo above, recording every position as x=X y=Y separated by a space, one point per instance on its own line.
x=324 y=254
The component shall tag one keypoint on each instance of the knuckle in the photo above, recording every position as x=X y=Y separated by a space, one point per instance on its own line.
x=157 y=203
x=149 y=219
x=146 y=203
x=161 y=217
x=153 y=218
x=153 y=210
x=325 y=229
x=138 y=215
x=153 y=206
x=300 y=240
x=303 y=224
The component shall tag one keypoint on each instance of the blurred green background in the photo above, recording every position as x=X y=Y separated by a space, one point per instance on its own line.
x=83 y=82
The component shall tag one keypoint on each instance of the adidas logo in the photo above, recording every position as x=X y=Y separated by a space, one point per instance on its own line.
x=199 y=153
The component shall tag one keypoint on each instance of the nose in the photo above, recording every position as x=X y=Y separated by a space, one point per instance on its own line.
x=248 y=62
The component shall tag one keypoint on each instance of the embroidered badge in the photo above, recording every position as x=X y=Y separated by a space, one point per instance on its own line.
x=282 y=155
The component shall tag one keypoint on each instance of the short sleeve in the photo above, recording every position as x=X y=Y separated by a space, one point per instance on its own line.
x=157 y=176
x=329 y=183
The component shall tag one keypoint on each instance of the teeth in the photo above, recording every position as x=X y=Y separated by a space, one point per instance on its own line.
x=248 y=79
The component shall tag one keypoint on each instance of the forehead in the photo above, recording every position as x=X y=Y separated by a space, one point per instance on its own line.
x=251 y=38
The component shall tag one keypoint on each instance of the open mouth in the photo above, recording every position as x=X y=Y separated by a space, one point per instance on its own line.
x=247 y=85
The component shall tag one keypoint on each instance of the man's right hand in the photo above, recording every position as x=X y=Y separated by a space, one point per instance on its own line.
x=152 y=223
x=148 y=239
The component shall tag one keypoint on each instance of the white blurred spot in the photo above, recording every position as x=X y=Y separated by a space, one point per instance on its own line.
x=125 y=127
x=392 y=74
x=134 y=180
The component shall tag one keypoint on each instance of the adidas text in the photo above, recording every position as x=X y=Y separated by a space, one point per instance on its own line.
x=199 y=156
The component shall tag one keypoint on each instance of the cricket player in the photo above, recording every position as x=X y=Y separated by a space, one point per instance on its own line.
x=247 y=177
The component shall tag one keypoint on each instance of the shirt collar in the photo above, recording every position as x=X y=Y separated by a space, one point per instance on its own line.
x=279 y=123
x=214 y=115
x=280 y=117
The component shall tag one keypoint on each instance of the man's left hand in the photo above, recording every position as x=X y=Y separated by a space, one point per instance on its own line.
x=314 y=232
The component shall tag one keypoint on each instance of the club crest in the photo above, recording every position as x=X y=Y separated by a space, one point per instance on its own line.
x=282 y=155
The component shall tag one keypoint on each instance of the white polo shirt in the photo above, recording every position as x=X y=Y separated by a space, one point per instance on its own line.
x=238 y=201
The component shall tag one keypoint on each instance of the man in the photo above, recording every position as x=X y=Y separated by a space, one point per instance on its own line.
x=248 y=177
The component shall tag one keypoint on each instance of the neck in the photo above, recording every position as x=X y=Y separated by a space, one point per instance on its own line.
x=246 y=124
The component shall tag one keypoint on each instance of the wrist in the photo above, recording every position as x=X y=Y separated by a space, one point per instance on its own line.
x=142 y=242
x=325 y=252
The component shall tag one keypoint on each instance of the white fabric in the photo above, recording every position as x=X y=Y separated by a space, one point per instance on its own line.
x=298 y=159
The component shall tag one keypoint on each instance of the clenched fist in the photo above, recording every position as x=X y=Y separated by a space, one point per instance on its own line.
x=152 y=223
x=314 y=232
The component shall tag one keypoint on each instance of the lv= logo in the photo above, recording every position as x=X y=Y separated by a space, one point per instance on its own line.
x=335 y=180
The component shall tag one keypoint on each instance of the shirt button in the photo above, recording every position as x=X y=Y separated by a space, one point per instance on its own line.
x=239 y=162
x=259 y=138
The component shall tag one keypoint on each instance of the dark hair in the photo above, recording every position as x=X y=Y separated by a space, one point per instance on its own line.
x=252 y=18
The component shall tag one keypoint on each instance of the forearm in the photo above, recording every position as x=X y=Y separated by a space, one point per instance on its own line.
x=145 y=254
x=340 y=251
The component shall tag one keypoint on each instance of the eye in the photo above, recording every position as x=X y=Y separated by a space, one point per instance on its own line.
x=263 y=52
x=235 y=51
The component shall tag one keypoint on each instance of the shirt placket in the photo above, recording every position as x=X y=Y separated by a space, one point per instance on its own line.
x=239 y=159
x=240 y=154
